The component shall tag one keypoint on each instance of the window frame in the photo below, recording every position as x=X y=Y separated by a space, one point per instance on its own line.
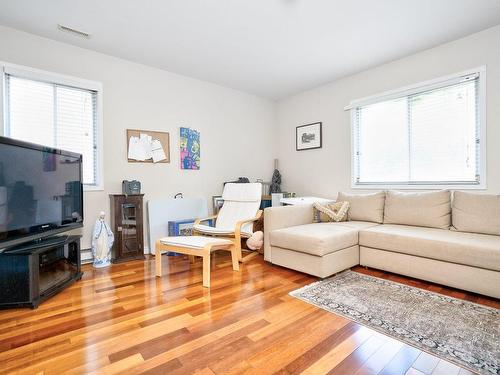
x=65 y=80
x=410 y=90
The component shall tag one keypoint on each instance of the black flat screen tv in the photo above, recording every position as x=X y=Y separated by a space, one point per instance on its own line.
x=41 y=192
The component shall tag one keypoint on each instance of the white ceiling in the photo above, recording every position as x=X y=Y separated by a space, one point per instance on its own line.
x=271 y=48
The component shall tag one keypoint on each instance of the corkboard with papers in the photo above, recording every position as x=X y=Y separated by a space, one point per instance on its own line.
x=146 y=146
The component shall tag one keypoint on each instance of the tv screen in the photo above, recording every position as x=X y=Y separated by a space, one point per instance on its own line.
x=40 y=191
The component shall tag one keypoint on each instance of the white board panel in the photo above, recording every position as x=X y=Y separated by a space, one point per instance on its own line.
x=161 y=211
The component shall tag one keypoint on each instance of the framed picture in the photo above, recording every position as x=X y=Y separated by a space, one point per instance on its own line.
x=183 y=228
x=217 y=203
x=308 y=137
x=190 y=148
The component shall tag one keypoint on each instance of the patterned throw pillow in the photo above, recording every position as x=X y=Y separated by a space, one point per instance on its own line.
x=330 y=212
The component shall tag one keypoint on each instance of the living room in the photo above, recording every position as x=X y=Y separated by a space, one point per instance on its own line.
x=343 y=154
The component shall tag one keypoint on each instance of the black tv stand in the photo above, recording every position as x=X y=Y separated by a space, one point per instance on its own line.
x=32 y=272
x=41 y=242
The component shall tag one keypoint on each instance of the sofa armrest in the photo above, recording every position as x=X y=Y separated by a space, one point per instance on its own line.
x=284 y=217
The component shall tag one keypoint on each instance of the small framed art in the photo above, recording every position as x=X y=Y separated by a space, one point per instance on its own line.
x=184 y=227
x=217 y=203
x=308 y=137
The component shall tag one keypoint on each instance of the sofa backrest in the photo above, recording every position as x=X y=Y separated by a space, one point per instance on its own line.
x=476 y=213
x=467 y=212
x=427 y=209
x=364 y=207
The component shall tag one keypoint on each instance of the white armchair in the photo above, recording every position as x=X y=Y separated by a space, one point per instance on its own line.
x=237 y=215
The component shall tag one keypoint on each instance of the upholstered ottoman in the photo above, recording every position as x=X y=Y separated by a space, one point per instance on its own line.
x=200 y=246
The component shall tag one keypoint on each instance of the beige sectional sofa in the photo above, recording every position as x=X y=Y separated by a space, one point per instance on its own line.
x=424 y=235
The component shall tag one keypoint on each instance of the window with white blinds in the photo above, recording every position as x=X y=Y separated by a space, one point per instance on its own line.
x=427 y=136
x=54 y=115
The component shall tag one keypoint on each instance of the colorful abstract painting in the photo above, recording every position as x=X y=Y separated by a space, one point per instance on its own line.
x=190 y=148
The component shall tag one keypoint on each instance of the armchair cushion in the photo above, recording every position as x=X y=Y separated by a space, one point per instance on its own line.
x=250 y=192
x=241 y=202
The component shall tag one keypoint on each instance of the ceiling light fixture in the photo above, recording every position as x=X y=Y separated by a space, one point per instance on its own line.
x=66 y=29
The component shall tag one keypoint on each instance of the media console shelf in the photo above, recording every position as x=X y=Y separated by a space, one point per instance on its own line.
x=31 y=273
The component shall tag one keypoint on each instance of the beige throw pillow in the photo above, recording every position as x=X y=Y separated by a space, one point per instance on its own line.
x=476 y=213
x=428 y=209
x=365 y=207
x=324 y=213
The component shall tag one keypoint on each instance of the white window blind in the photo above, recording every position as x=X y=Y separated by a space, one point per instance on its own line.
x=54 y=115
x=430 y=136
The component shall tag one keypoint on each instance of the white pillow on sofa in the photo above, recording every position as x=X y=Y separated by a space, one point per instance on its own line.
x=429 y=209
x=476 y=213
x=364 y=207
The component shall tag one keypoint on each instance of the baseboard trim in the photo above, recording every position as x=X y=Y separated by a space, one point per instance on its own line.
x=86 y=256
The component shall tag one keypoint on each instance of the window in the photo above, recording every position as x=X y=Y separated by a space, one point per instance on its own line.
x=54 y=112
x=425 y=136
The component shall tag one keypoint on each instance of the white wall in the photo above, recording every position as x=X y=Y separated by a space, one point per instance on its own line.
x=237 y=137
x=238 y=132
x=326 y=171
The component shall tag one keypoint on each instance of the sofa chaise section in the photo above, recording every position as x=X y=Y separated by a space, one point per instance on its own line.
x=292 y=240
x=319 y=249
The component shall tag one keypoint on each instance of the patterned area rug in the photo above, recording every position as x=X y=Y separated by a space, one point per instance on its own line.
x=462 y=332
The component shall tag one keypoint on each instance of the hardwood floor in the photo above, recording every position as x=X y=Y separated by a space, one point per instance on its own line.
x=124 y=320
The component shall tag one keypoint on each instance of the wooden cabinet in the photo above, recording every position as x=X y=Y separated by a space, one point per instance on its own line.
x=127 y=225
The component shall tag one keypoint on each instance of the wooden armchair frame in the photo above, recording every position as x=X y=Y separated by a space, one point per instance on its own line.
x=236 y=237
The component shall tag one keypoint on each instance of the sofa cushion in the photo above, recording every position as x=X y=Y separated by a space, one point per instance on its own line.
x=325 y=213
x=318 y=238
x=429 y=209
x=471 y=249
x=364 y=207
x=477 y=213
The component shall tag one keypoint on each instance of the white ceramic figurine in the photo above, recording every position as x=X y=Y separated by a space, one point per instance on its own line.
x=102 y=241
